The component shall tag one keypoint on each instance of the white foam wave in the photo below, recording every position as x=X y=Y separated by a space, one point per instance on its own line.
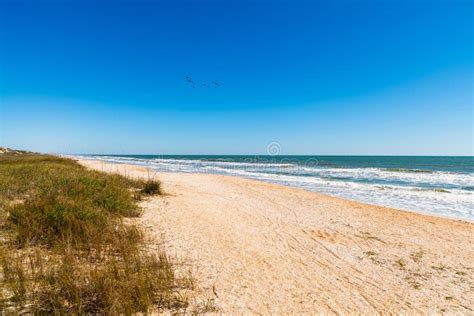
x=416 y=191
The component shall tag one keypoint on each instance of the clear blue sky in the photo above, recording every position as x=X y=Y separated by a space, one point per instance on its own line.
x=318 y=77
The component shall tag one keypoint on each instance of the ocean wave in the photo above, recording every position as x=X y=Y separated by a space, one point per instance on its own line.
x=436 y=192
x=438 y=179
x=406 y=170
x=223 y=163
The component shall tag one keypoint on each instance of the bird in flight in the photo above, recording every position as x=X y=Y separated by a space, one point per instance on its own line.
x=190 y=81
x=193 y=84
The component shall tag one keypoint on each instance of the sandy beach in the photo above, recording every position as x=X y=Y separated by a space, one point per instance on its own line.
x=256 y=247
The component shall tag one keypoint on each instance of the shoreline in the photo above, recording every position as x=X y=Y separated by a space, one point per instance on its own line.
x=417 y=212
x=260 y=247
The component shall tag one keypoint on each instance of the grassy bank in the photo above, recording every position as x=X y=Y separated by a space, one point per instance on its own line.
x=65 y=247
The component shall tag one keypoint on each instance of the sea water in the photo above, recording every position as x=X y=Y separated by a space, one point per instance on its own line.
x=441 y=186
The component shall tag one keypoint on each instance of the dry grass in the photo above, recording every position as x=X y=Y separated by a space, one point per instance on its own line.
x=65 y=248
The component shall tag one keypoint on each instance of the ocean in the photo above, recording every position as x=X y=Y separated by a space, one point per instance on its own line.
x=442 y=186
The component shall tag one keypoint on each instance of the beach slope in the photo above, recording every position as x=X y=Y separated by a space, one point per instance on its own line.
x=264 y=248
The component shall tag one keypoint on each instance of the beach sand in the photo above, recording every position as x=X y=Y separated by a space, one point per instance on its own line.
x=256 y=247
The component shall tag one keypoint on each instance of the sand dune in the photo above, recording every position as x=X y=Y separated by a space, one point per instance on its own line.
x=256 y=247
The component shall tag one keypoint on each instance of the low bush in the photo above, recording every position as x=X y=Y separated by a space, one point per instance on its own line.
x=151 y=187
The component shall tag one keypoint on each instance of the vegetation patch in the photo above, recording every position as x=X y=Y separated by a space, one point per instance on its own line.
x=64 y=247
x=152 y=187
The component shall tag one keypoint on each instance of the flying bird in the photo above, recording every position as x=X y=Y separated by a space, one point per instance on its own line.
x=202 y=84
x=190 y=81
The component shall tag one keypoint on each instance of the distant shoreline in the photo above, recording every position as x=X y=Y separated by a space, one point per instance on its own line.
x=412 y=185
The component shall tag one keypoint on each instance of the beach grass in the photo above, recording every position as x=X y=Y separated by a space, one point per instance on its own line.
x=152 y=187
x=64 y=246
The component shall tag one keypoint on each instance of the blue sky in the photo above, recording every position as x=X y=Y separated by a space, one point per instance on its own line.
x=318 y=77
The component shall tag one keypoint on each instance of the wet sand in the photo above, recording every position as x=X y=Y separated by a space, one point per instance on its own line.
x=256 y=247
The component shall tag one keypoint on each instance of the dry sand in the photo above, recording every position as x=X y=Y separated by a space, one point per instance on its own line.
x=256 y=247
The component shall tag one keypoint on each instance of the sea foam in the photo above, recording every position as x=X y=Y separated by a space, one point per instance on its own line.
x=434 y=192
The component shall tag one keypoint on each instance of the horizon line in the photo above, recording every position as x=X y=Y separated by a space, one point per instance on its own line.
x=268 y=155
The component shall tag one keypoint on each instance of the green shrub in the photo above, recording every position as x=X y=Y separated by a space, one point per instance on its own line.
x=152 y=187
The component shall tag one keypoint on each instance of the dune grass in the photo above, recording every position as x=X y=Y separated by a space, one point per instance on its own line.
x=64 y=247
x=151 y=187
